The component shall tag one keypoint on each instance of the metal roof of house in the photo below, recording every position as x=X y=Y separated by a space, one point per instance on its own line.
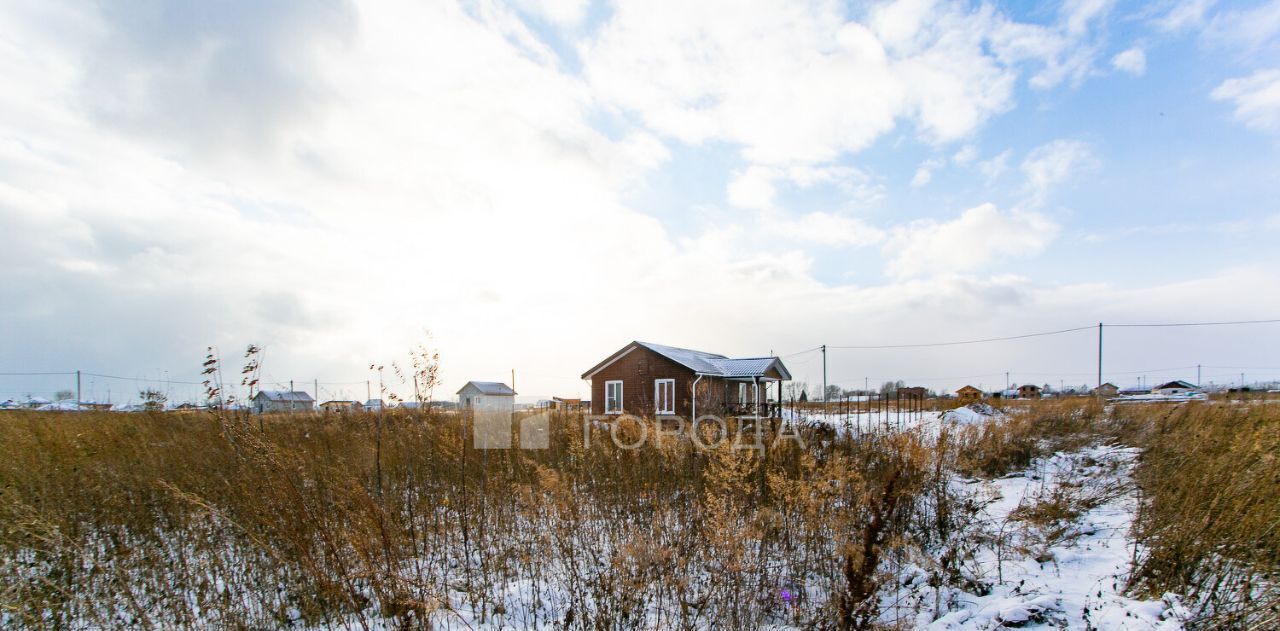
x=489 y=387
x=284 y=395
x=1176 y=384
x=749 y=367
x=705 y=363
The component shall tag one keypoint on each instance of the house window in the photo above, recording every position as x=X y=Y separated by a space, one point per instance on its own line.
x=742 y=393
x=613 y=397
x=664 y=396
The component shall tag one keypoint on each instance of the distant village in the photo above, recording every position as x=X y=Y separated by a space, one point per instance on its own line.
x=655 y=380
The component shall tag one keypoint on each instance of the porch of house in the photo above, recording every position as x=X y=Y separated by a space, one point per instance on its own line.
x=742 y=397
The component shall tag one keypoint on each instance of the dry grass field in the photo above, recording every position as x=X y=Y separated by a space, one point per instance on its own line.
x=139 y=520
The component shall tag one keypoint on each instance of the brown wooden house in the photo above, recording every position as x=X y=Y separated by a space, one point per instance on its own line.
x=968 y=394
x=653 y=380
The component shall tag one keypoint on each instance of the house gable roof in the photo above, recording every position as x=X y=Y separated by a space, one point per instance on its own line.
x=968 y=389
x=283 y=396
x=702 y=362
x=1176 y=384
x=492 y=388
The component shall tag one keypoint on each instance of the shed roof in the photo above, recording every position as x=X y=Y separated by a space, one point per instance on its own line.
x=489 y=387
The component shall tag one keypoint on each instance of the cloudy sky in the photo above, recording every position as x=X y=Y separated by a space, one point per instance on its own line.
x=536 y=184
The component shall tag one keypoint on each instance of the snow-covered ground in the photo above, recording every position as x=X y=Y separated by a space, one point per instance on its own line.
x=1065 y=574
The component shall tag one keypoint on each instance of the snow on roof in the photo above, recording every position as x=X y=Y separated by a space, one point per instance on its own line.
x=750 y=367
x=718 y=365
x=489 y=387
x=696 y=361
x=285 y=395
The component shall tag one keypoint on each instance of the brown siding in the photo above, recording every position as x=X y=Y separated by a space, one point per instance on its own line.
x=641 y=367
x=637 y=370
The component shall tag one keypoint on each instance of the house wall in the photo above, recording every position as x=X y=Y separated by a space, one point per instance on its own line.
x=637 y=370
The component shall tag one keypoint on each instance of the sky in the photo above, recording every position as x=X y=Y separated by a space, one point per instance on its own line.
x=530 y=186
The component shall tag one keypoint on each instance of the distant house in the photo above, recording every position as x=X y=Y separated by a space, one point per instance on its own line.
x=282 y=401
x=1175 y=387
x=570 y=405
x=341 y=406
x=655 y=380
x=913 y=392
x=1107 y=390
x=1029 y=391
x=37 y=402
x=487 y=396
x=10 y=405
x=1135 y=390
x=373 y=405
x=968 y=394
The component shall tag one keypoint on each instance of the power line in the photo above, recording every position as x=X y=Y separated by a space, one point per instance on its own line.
x=958 y=343
x=146 y=379
x=1225 y=323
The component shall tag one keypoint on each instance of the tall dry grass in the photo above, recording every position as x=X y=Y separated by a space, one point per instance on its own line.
x=187 y=521
x=1209 y=524
x=194 y=521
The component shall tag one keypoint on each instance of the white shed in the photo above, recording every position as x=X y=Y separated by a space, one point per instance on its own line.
x=487 y=396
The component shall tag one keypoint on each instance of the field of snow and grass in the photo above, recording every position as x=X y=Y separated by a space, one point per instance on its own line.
x=966 y=519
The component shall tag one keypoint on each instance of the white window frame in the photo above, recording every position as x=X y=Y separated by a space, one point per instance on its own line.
x=658 y=398
x=617 y=399
x=742 y=393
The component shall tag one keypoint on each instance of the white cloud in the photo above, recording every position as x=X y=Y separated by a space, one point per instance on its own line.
x=966 y=155
x=799 y=82
x=560 y=12
x=996 y=166
x=757 y=186
x=1079 y=13
x=978 y=237
x=753 y=188
x=1256 y=99
x=1132 y=61
x=924 y=172
x=1250 y=29
x=1184 y=14
x=1056 y=162
x=826 y=229
x=923 y=175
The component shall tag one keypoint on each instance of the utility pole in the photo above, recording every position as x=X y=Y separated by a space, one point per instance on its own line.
x=1006 y=380
x=1197 y=375
x=316 y=383
x=290 y=399
x=513 y=378
x=1099 y=353
x=824 y=377
x=78 y=398
x=368 y=391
